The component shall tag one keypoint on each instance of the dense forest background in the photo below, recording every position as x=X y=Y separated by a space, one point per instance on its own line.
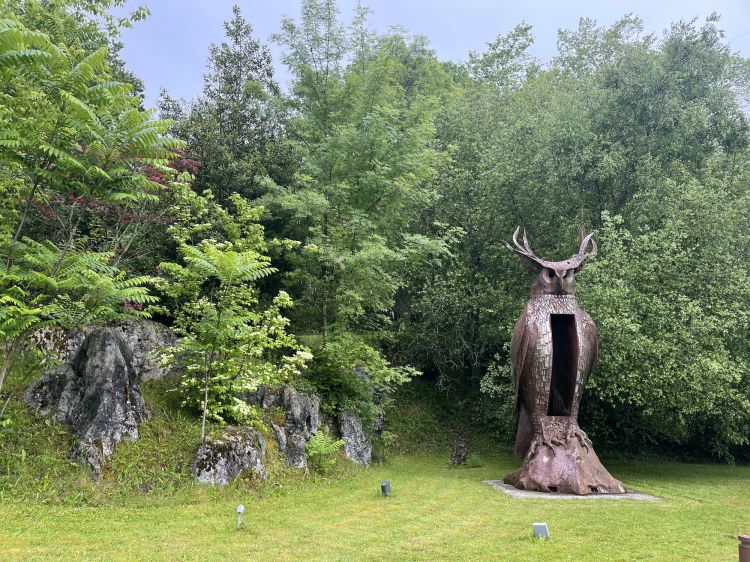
x=357 y=220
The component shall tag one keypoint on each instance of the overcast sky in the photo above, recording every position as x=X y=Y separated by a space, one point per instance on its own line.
x=169 y=49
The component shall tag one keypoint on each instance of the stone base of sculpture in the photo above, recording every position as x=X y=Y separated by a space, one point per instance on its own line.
x=561 y=459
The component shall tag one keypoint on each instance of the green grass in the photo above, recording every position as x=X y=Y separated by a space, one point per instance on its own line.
x=147 y=506
x=435 y=512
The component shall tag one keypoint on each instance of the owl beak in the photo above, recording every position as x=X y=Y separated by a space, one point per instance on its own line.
x=560 y=280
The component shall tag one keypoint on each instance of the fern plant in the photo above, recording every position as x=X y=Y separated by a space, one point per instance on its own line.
x=321 y=451
x=71 y=130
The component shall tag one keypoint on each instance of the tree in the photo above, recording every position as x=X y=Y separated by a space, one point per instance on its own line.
x=364 y=120
x=229 y=344
x=233 y=129
x=366 y=132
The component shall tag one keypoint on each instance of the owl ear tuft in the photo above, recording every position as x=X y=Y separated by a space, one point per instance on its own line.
x=527 y=254
x=582 y=256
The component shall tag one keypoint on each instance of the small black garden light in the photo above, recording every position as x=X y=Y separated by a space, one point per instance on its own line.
x=385 y=487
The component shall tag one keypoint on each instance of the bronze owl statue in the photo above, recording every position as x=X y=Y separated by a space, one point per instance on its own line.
x=553 y=350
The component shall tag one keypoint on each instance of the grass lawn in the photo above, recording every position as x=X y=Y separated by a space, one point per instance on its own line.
x=435 y=512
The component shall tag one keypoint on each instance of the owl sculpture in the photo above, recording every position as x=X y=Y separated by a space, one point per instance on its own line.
x=553 y=350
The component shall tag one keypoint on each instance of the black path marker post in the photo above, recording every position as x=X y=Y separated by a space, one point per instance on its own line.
x=385 y=487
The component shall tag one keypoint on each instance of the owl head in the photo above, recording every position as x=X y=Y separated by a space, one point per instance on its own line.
x=555 y=277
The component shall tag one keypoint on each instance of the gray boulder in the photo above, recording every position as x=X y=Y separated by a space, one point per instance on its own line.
x=357 y=445
x=96 y=394
x=220 y=460
x=301 y=422
x=280 y=436
x=143 y=337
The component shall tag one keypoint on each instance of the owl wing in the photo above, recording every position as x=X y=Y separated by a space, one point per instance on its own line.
x=589 y=347
x=524 y=356
x=519 y=344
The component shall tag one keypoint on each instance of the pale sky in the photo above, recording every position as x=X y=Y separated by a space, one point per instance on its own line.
x=170 y=48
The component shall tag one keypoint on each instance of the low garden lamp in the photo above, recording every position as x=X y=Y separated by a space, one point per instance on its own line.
x=541 y=531
x=385 y=487
x=240 y=511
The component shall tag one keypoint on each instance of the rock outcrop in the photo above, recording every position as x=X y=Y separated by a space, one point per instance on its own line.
x=143 y=337
x=460 y=452
x=222 y=459
x=301 y=422
x=357 y=445
x=96 y=394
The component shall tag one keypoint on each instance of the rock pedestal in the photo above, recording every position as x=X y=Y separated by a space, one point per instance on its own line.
x=96 y=394
x=561 y=459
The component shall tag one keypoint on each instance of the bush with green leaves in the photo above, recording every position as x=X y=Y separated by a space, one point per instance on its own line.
x=348 y=372
x=672 y=310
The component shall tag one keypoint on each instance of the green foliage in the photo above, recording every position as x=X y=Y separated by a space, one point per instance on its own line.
x=673 y=362
x=498 y=386
x=68 y=126
x=349 y=373
x=229 y=343
x=72 y=139
x=322 y=450
x=350 y=353
x=379 y=190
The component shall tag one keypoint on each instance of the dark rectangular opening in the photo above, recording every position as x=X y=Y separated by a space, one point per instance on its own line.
x=564 y=364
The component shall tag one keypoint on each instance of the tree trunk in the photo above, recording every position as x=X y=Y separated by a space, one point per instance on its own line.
x=205 y=408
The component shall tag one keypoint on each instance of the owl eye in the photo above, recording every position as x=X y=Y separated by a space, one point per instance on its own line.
x=550 y=274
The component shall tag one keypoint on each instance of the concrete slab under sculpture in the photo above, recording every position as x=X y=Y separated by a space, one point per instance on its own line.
x=514 y=492
x=553 y=350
